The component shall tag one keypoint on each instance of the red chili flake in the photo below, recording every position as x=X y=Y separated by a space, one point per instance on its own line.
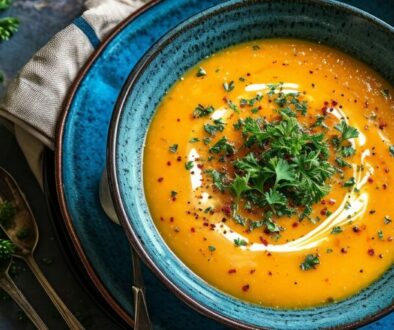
x=310 y=71
x=192 y=230
x=168 y=163
x=161 y=219
x=178 y=120
x=382 y=125
x=324 y=110
x=160 y=179
x=371 y=252
x=380 y=256
x=295 y=224
x=248 y=74
x=252 y=271
x=225 y=99
x=224 y=219
x=226 y=210
x=384 y=186
x=390 y=238
x=356 y=229
x=179 y=158
x=269 y=254
x=263 y=240
x=331 y=201
x=323 y=202
x=200 y=166
x=270 y=273
x=370 y=180
x=344 y=250
x=171 y=219
x=212 y=226
x=323 y=211
x=245 y=287
x=326 y=103
x=205 y=224
x=334 y=103
x=232 y=271
x=386 y=170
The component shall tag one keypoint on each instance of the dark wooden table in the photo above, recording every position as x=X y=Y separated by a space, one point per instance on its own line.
x=40 y=20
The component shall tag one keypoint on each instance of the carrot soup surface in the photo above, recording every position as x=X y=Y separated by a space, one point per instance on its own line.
x=268 y=170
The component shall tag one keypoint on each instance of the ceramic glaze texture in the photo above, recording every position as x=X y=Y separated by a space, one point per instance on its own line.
x=225 y=25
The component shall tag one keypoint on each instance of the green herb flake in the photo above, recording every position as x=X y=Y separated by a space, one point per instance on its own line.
x=223 y=146
x=8 y=26
x=217 y=126
x=391 y=150
x=350 y=183
x=380 y=235
x=211 y=248
x=329 y=250
x=173 y=148
x=201 y=72
x=336 y=230
x=228 y=87
x=310 y=262
x=387 y=220
x=173 y=193
x=202 y=111
x=240 y=242
x=189 y=165
x=194 y=140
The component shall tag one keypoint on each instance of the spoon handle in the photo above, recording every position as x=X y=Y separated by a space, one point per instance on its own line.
x=8 y=285
x=67 y=316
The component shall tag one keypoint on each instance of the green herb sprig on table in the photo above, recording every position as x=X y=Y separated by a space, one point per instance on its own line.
x=8 y=26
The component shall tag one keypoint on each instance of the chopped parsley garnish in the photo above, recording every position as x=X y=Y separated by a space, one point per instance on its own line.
x=222 y=146
x=336 y=230
x=387 y=220
x=173 y=193
x=194 y=140
x=310 y=262
x=391 y=150
x=189 y=165
x=228 y=87
x=347 y=132
x=173 y=148
x=201 y=72
x=255 y=47
x=350 y=183
x=202 y=111
x=217 y=126
x=218 y=179
x=240 y=242
x=347 y=151
x=380 y=234
x=211 y=248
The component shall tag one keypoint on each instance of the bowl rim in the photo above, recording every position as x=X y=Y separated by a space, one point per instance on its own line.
x=111 y=168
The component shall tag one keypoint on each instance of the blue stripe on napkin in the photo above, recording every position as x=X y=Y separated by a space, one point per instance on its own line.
x=85 y=27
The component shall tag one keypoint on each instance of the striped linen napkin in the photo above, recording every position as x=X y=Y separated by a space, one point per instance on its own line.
x=33 y=102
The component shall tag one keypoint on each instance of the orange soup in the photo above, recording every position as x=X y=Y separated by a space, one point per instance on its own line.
x=268 y=170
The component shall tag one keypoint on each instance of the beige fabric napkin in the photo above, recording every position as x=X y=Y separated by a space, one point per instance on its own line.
x=33 y=101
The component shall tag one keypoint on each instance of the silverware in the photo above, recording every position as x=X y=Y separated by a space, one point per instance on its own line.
x=141 y=314
x=8 y=285
x=23 y=232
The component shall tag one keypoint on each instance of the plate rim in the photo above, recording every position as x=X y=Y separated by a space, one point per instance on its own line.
x=91 y=272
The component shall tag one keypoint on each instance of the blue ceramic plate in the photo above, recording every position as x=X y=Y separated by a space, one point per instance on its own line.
x=234 y=22
x=102 y=246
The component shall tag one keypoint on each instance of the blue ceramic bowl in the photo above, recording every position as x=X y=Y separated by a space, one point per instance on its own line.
x=232 y=22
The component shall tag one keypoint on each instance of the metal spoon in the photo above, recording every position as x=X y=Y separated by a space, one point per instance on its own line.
x=25 y=223
x=8 y=285
x=141 y=314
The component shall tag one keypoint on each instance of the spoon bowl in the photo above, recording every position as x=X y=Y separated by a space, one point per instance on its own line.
x=21 y=228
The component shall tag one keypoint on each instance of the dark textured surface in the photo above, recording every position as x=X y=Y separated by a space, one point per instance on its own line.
x=40 y=20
